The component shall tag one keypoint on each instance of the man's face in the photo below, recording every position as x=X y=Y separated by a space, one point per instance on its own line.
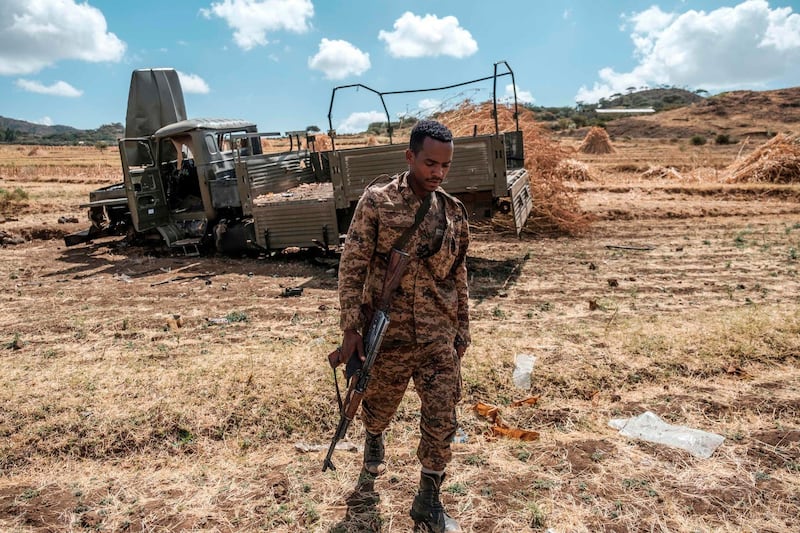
x=429 y=167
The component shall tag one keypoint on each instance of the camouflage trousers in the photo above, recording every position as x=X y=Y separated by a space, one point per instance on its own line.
x=436 y=371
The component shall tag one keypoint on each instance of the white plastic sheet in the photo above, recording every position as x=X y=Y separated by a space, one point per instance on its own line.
x=522 y=371
x=648 y=426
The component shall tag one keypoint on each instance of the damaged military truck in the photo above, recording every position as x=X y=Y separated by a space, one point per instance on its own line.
x=203 y=185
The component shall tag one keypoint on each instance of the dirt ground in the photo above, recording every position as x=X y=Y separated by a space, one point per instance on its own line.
x=156 y=393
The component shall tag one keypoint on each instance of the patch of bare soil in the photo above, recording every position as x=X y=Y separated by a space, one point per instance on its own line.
x=168 y=393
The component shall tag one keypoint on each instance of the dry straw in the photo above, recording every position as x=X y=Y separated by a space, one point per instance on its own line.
x=573 y=170
x=662 y=173
x=776 y=161
x=555 y=206
x=596 y=141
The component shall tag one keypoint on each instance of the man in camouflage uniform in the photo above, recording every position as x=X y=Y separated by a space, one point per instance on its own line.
x=429 y=328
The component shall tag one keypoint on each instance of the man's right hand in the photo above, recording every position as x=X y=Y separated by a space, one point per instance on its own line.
x=352 y=342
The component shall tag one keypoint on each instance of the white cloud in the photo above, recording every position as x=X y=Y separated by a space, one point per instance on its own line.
x=359 y=121
x=415 y=36
x=339 y=59
x=731 y=47
x=523 y=97
x=59 y=88
x=251 y=20
x=428 y=106
x=35 y=35
x=192 y=83
x=44 y=121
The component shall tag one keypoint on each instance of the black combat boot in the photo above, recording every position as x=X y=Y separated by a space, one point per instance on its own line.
x=373 y=454
x=427 y=510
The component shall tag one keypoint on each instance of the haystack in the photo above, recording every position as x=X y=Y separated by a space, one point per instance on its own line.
x=662 y=173
x=776 y=161
x=596 y=141
x=573 y=170
x=555 y=206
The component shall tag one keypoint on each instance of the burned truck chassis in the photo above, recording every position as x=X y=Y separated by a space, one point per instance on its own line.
x=204 y=185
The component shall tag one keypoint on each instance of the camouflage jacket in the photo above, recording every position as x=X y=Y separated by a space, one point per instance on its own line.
x=432 y=301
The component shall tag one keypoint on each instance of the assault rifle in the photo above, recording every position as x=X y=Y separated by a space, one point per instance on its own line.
x=358 y=381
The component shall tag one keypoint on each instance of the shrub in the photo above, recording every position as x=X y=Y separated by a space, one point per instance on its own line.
x=17 y=196
x=723 y=138
x=697 y=140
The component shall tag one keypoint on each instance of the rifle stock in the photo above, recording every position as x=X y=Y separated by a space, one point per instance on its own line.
x=373 y=337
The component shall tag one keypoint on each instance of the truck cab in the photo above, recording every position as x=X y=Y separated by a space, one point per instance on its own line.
x=181 y=181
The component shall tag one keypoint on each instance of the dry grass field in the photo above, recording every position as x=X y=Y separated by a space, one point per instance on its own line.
x=144 y=393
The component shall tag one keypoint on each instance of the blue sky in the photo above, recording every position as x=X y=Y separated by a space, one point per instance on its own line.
x=275 y=62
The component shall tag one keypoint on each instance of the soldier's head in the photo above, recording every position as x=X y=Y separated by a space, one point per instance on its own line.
x=429 y=154
x=428 y=128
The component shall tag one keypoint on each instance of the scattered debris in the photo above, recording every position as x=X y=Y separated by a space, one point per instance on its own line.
x=203 y=276
x=292 y=291
x=123 y=277
x=499 y=427
x=460 y=437
x=635 y=248
x=522 y=370
x=68 y=220
x=530 y=400
x=175 y=322
x=8 y=238
x=14 y=344
x=648 y=426
x=179 y=278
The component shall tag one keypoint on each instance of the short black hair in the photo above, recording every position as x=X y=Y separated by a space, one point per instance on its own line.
x=428 y=128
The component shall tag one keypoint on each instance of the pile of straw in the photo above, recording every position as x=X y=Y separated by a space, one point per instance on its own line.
x=662 y=173
x=555 y=206
x=596 y=141
x=776 y=161
x=573 y=170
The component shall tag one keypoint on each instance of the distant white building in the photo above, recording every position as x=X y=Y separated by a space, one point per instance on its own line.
x=626 y=110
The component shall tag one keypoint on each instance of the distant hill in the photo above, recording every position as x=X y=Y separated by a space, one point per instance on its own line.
x=736 y=114
x=22 y=132
x=570 y=120
x=658 y=99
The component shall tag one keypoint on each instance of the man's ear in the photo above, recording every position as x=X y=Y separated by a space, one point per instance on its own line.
x=409 y=156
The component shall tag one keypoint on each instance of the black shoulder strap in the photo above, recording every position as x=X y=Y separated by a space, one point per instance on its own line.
x=400 y=243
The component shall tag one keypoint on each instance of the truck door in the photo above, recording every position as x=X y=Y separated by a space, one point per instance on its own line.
x=143 y=185
x=519 y=192
x=517 y=179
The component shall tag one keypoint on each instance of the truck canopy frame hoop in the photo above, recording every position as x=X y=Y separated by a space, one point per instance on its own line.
x=381 y=95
